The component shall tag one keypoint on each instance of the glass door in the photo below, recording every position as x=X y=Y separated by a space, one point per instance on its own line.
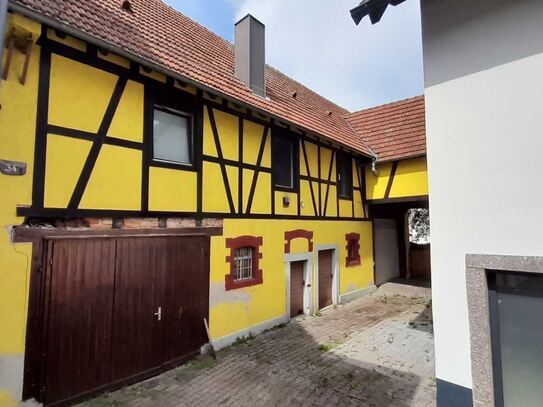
x=516 y=319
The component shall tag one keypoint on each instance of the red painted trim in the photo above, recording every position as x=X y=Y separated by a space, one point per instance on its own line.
x=352 y=239
x=298 y=233
x=235 y=243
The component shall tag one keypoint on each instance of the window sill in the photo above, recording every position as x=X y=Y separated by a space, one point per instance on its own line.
x=231 y=284
x=285 y=189
x=345 y=198
x=352 y=262
x=172 y=165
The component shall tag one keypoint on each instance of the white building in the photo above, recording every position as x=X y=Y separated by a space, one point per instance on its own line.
x=483 y=64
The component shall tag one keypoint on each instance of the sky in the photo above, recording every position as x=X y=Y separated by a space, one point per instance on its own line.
x=317 y=43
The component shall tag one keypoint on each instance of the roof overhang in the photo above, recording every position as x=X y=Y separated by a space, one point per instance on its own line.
x=111 y=47
x=372 y=8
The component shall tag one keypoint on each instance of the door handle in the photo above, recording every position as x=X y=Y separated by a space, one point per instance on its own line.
x=308 y=286
x=180 y=312
x=158 y=313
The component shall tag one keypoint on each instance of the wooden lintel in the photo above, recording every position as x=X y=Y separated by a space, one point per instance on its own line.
x=29 y=234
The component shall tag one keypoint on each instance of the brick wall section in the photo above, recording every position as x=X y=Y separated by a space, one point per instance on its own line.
x=180 y=223
x=150 y=223
x=99 y=223
x=140 y=223
x=211 y=222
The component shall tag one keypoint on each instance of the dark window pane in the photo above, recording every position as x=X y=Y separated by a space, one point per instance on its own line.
x=283 y=162
x=520 y=315
x=352 y=249
x=345 y=175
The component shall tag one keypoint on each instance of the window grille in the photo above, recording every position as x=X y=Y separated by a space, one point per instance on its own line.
x=244 y=263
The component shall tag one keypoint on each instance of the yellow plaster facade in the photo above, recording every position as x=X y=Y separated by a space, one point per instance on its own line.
x=410 y=179
x=18 y=124
x=236 y=310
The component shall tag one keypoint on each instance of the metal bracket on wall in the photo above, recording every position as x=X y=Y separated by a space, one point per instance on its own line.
x=23 y=42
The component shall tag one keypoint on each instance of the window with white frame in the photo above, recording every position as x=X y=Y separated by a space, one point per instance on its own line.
x=172 y=136
x=243 y=259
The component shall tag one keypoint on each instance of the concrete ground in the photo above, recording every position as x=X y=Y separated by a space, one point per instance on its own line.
x=375 y=351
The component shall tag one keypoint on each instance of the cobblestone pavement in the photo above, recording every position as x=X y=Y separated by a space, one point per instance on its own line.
x=376 y=351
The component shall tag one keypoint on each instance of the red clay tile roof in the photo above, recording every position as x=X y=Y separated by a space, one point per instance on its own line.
x=394 y=131
x=158 y=33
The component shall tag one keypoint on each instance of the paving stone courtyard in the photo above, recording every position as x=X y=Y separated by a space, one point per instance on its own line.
x=375 y=351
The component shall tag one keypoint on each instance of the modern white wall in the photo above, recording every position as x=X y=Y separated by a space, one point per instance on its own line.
x=484 y=110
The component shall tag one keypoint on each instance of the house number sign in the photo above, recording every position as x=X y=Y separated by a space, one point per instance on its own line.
x=12 y=167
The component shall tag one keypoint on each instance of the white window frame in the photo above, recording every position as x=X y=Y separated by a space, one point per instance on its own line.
x=190 y=135
x=244 y=271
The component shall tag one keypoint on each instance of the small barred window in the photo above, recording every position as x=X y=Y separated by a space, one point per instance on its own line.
x=244 y=260
x=243 y=263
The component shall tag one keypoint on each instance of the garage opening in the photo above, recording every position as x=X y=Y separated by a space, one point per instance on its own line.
x=112 y=311
x=402 y=242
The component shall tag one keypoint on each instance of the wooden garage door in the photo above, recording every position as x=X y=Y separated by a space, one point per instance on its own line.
x=119 y=310
x=79 y=318
x=296 y=288
x=325 y=277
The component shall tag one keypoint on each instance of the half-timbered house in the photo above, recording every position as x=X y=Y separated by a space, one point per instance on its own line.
x=155 y=176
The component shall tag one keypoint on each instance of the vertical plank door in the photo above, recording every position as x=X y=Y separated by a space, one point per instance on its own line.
x=118 y=310
x=138 y=314
x=325 y=277
x=78 y=301
x=187 y=296
x=296 y=288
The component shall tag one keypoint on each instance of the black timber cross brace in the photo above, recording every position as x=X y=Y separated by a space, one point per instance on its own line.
x=97 y=145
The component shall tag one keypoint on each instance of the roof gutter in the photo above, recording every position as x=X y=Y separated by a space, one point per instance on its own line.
x=58 y=25
x=410 y=157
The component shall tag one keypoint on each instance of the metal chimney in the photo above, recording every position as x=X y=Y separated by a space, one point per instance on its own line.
x=250 y=53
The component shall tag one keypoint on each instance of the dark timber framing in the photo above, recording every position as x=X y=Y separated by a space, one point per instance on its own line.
x=258 y=169
x=221 y=159
x=361 y=174
x=391 y=179
x=240 y=165
x=147 y=132
x=97 y=145
x=40 y=149
x=309 y=178
x=195 y=102
x=319 y=175
x=332 y=158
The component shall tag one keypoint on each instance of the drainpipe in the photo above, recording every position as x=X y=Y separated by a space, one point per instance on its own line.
x=374 y=168
x=3 y=19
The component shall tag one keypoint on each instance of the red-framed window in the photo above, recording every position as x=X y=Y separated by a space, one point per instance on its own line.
x=353 y=249
x=244 y=259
